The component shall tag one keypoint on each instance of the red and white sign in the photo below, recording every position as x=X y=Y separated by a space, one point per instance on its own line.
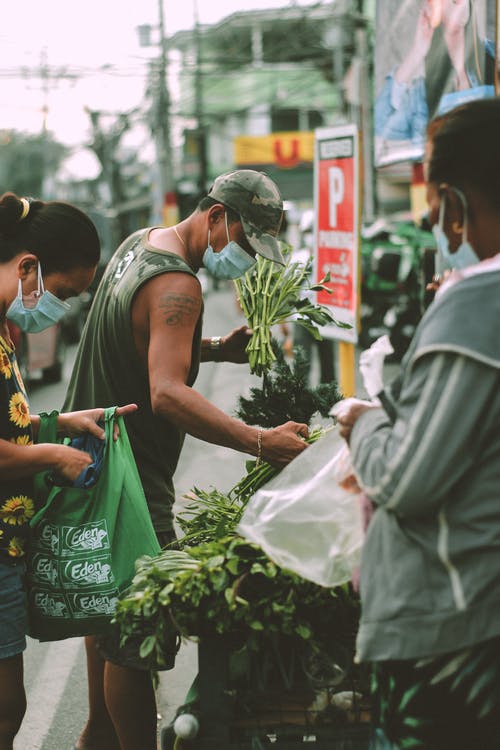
x=336 y=197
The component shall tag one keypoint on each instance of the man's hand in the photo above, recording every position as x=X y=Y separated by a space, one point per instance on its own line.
x=234 y=345
x=346 y=413
x=75 y=423
x=281 y=444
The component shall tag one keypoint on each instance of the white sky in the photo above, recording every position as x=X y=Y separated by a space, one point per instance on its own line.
x=79 y=37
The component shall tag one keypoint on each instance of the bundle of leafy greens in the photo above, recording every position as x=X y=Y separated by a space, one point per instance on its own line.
x=285 y=394
x=270 y=294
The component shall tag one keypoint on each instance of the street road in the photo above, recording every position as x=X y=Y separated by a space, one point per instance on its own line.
x=55 y=673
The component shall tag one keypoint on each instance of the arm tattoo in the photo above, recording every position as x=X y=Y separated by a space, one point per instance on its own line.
x=178 y=308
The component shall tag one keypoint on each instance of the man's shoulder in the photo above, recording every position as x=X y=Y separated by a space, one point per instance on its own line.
x=171 y=278
x=464 y=320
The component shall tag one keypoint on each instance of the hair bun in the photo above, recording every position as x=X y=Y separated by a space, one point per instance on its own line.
x=12 y=211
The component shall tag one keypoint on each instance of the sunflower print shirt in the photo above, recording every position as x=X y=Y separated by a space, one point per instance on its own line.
x=16 y=496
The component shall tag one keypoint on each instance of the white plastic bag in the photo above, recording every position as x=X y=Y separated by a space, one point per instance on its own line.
x=371 y=365
x=308 y=518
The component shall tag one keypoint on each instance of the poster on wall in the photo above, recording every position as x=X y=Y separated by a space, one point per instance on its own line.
x=430 y=56
x=336 y=200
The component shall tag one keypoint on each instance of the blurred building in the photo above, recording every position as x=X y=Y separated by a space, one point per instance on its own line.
x=252 y=89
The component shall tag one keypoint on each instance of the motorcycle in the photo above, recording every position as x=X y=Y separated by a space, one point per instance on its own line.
x=397 y=261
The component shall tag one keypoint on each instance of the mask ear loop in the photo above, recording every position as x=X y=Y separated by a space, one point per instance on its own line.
x=41 y=287
x=227 y=228
x=441 y=213
x=464 y=206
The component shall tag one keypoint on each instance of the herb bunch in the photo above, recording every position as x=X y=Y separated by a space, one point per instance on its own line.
x=211 y=515
x=270 y=294
x=285 y=394
x=208 y=516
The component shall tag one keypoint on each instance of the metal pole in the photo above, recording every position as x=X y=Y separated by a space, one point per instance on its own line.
x=369 y=202
x=202 y=137
x=166 y=181
x=497 y=32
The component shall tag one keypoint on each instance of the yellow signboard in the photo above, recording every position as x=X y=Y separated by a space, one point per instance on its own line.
x=284 y=150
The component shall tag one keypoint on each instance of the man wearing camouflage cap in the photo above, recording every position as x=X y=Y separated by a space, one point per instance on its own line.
x=143 y=344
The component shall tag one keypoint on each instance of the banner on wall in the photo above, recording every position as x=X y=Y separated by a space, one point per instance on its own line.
x=430 y=56
x=285 y=150
x=336 y=200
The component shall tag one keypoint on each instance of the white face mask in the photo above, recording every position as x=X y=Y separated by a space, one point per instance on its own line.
x=231 y=262
x=464 y=255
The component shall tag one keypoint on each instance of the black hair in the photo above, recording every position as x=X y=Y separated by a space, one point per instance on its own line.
x=207 y=202
x=61 y=235
x=466 y=148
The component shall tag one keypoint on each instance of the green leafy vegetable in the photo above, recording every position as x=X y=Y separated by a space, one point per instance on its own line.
x=230 y=587
x=285 y=394
x=270 y=294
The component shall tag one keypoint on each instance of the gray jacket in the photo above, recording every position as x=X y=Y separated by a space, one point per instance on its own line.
x=430 y=574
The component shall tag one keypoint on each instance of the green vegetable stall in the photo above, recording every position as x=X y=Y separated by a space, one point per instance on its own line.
x=275 y=651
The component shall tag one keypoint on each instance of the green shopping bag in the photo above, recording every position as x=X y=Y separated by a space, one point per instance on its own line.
x=85 y=541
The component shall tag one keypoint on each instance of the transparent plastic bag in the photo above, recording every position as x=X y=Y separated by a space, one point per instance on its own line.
x=308 y=518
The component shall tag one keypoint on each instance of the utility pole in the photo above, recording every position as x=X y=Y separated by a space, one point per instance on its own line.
x=201 y=134
x=163 y=124
x=164 y=187
x=49 y=79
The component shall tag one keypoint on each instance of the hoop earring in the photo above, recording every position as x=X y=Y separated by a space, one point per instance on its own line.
x=457 y=228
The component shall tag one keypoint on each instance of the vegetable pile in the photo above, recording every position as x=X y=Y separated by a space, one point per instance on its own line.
x=230 y=587
x=218 y=584
x=215 y=583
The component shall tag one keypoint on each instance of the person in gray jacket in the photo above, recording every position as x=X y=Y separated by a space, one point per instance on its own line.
x=429 y=459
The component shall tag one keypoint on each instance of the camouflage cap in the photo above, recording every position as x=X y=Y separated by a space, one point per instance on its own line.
x=257 y=201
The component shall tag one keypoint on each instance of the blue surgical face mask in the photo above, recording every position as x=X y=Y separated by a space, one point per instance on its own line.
x=230 y=263
x=47 y=310
x=464 y=255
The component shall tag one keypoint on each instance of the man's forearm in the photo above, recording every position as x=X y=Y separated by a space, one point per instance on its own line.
x=194 y=414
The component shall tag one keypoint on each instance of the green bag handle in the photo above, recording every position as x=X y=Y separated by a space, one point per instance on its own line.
x=47 y=433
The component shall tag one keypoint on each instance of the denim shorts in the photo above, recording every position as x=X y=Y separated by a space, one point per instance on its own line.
x=13 y=609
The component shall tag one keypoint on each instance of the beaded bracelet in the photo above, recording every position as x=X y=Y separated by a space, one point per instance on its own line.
x=259 y=448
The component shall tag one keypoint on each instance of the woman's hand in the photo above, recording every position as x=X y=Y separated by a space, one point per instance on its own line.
x=73 y=423
x=346 y=413
x=69 y=462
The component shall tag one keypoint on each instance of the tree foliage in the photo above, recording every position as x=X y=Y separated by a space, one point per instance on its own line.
x=25 y=160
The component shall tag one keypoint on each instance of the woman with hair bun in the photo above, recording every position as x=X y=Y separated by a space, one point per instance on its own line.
x=48 y=252
x=429 y=459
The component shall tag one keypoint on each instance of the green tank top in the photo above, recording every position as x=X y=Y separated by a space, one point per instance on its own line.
x=108 y=370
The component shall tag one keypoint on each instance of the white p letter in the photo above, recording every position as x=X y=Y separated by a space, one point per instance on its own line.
x=336 y=192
